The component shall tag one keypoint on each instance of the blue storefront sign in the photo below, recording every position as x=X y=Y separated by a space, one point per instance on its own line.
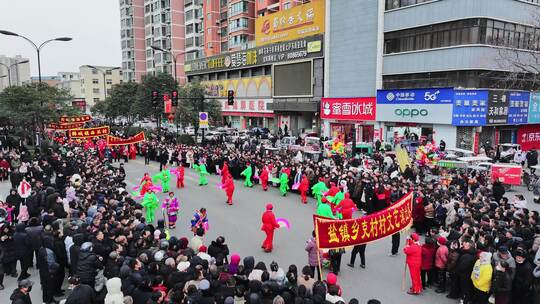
x=416 y=96
x=534 y=108
x=470 y=108
x=519 y=108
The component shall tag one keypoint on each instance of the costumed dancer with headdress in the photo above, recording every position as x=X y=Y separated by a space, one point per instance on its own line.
x=150 y=202
x=224 y=172
x=318 y=190
x=179 y=172
x=247 y=173
x=228 y=186
x=346 y=207
x=303 y=188
x=201 y=168
x=199 y=220
x=324 y=210
x=269 y=224
x=165 y=177
x=283 y=183
x=145 y=185
x=264 y=178
x=171 y=206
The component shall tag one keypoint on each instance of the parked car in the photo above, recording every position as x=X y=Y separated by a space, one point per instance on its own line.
x=507 y=152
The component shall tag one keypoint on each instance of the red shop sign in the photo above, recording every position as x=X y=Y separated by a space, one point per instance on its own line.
x=528 y=137
x=506 y=174
x=357 y=108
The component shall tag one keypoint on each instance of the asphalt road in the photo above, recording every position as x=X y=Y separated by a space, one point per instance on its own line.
x=240 y=225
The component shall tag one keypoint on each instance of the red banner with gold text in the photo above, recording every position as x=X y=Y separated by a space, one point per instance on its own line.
x=89 y=132
x=75 y=119
x=333 y=234
x=57 y=126
x=117 y=141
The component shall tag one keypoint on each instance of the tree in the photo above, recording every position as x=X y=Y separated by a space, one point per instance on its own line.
x=34 y=105
x=119 y=101
x=191 y=102
x=162 y=83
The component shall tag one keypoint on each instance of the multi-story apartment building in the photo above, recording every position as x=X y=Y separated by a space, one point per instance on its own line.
x=71 y=82
x=96 y=81
x=194 y=29
x=266 y=7
x=152 y=23
x=16 y=74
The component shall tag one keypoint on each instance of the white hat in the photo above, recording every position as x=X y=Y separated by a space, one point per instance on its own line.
x=183 y=266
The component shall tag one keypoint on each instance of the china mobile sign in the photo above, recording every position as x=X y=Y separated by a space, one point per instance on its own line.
x=356 y=109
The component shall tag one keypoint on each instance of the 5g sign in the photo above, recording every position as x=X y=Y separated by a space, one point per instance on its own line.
x=428 y=96
x=411 y=112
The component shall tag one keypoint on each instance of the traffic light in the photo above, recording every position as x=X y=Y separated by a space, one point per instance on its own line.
x=174 y=95
x=155 y=98
x=230 y=97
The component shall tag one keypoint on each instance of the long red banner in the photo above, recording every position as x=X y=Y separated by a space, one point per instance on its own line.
x=72 y=119
x=89 y=132
x=117 y=141
x=57 y=126
x=333 y=234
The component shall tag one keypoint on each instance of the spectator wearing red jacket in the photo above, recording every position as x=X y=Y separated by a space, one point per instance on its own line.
x=413 y=251
x=441 y=259
x=428 y=259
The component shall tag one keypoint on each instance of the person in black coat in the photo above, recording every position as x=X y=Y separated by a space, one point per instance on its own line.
x=464 y=267
x=21 y=295
x=219 y=250
x=14 y=200
x=74 y=252
x=81 y=293
x=9 y=259
x=498 y=191
x=34 y=231
x=521 y=287
x=48 y=268
x=23 y=249
x=502 y=283
x=143 y=292
x=88 y=265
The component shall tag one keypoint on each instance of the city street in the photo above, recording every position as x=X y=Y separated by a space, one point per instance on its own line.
x=240 y=225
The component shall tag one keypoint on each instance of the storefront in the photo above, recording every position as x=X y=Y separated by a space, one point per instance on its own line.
x=413 y=115
x=349 y=117
x=248 y=113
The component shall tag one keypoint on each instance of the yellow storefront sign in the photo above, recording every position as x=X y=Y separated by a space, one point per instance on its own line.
x=297 y=22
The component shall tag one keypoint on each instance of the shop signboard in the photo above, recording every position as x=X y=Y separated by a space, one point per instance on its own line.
x=297 y=22
x=470 y=108
x=498 y=105
x=415 y=105
x=251 y=106
x=303 y=48
x=534 y=108
x=528 y=137
x=353 y=109
x=518 y=109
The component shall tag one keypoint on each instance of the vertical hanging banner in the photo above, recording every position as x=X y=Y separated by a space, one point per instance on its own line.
x=89 y=132
x=75 y=119
x=333 y=234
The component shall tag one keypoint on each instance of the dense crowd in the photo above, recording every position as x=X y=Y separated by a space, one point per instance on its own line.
x=478 y=244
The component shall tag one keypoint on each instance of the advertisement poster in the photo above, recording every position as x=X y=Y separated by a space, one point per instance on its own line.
x=534 y=108
x=528 y=137
x=355 y=109
x=519 y=108
x=498 y=104
x=506 y=173
x=470 y=108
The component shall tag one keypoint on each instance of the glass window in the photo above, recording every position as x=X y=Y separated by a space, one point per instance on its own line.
x=95 y=90
x=95 y=81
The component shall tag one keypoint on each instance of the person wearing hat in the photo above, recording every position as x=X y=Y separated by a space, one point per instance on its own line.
x=21 y=295
x=80 y=293
x=504 y=255
x=413 y=251
x=521 y=287
x=324 y=209
x=481 y=277
x=269 y=224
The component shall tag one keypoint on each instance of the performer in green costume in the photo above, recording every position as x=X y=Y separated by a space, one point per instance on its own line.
x=247 y=173
x=336 y=199
x=323 y=209
x=165 y=177
x=150 y=202
x=318 y=190
x=202 y=174
x=283 y=183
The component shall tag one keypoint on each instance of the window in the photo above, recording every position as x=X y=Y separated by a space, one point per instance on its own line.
x=96 y=100
x=95 y=81
x=189 y=29
x=108 y=72
x=95 y=90
x=109 y=81
x=237 y=24
x=94 y=71
x=238 y=8
x=392 y=4
x=189 y=15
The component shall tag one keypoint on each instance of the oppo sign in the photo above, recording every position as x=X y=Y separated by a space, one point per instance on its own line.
x=411 y=112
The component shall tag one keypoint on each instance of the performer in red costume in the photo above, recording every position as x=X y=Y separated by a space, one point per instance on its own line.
x=179 y=177
x=224 y=173
x=269 y=224
x=145 y=184
x=304 y=188
x=346 y=207
x=333 y=190
x=264 y=178
x=414 y=261
x=132 y=151
x=228 y=186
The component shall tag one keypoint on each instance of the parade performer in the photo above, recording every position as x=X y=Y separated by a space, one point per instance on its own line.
x=201 y=168
x=132 y=151
x=318 y=190
x=228 y=186
x=224 y=172
x=165 y=177
x=335 y=200
x=269 y=224
x=150 y=202
x=283 y=183
x=171 y=207
x=145 y=184
x=199 y=220
x=332 y=191
x=324 y=210
x=179 y=172
x=414 y=261
x=346 y=207
x=304 y=188
x=264 y=178
x=248 y=172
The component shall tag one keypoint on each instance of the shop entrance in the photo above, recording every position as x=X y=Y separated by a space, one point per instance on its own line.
x=418 y=134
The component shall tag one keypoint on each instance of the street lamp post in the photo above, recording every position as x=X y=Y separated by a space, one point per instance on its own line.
x=36 y=47
x=8 y=67
x=173 y=56
x=104 y=72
